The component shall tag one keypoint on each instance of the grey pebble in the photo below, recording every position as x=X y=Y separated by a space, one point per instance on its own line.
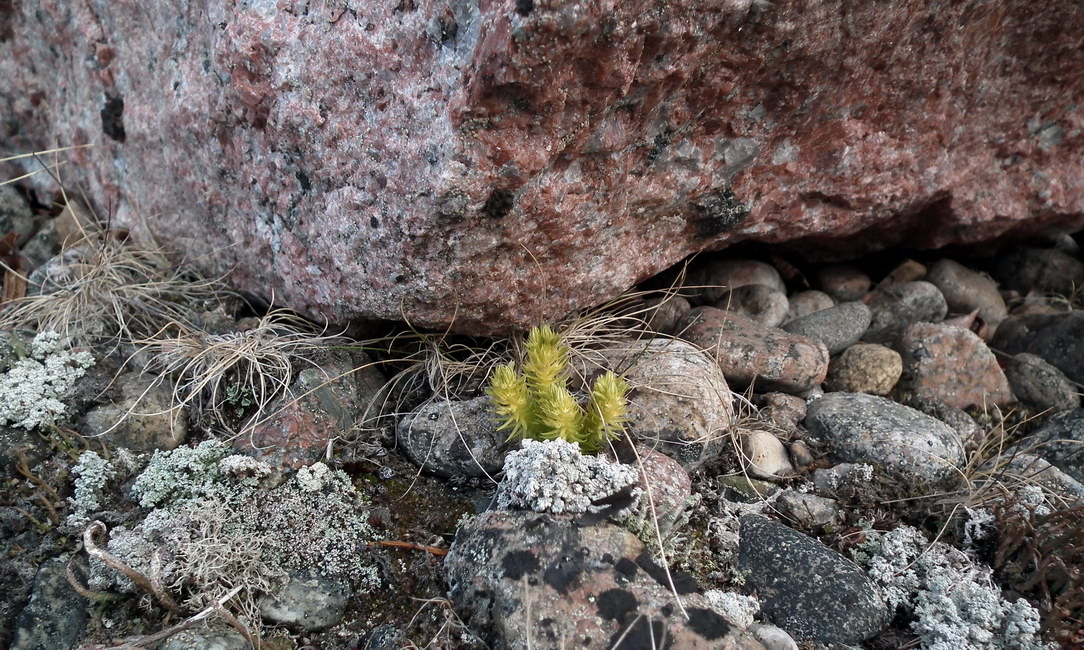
x=807 y=588
x=1039 y=385
x=837 y=328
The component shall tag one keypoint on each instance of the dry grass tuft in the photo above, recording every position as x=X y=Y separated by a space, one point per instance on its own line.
x=107 y=290
x=233 y=377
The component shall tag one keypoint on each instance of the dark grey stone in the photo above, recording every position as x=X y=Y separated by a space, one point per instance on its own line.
x=894 y=308
x=838 y=328
x=1058 y=338
x=1042 y=269
x=15 y=214
x=15 y=441
x=1060 y=441
x=906 y=443
x=56 y=614
x=455 y=438
x=807 y=588
x=310 y=602
x=387 y=637
x=1039 y=385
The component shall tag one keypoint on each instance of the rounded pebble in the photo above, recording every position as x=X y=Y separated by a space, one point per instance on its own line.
x=759 y=302
x=865 y=368
x=804 y=303
x=953 y=365
x=893 y=309
x=966 y=291
x=1039 y=385
x=663 y=313
x=807 y=588
x=843 y=282
x=837 y=328
x=719 y=276
x=766 y=456
x=747 y=351
x=904 y=442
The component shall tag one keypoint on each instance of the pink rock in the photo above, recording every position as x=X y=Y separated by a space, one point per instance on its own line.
x=748 y=351
x=323 y=405
x=953 y=365
x=667 y=480
x=500 y=163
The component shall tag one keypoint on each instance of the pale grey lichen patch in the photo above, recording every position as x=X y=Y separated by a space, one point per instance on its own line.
x=314 y=477
x=953 y=598
x=32 y=390
x=553 y=476
x=213 y=527
x=92 y=475
x=181 y=474
x=735 y=607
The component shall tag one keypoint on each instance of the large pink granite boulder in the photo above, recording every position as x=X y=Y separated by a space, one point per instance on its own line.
x=499 y=162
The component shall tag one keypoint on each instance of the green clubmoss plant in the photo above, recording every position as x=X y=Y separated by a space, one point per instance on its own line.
x=535 y=402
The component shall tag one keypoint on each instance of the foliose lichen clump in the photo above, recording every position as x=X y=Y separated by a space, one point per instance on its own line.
x=32 y=390
x=213 y=527
x=952 y=598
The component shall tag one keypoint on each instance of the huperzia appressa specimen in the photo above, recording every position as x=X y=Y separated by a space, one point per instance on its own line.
x=537 y=404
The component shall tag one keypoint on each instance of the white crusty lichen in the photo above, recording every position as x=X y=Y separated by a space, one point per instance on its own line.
x=953 y=599
x=314 y=477
x=92 y=474
x=553 y=476
x=32 y=390
x=734 y=607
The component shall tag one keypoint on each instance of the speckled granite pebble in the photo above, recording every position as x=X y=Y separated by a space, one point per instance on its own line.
x=904 y=442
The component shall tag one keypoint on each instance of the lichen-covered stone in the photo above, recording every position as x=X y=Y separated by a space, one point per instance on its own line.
x=527 y=579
